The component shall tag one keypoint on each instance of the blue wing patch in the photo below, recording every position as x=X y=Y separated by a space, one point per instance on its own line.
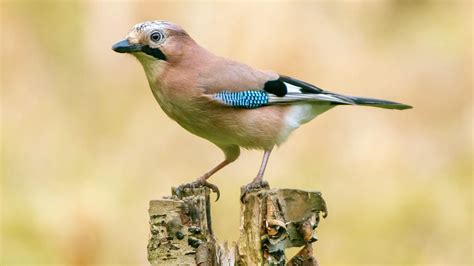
x=243 y=99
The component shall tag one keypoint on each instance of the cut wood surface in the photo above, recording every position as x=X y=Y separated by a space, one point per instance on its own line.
x=271 y=220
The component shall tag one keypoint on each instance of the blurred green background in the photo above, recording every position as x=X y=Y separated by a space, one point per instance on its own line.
x=85 y=146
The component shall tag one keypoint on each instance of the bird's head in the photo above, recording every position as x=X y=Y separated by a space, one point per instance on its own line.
x=154 y=43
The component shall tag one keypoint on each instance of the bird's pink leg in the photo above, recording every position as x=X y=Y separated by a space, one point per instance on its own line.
x=205 y=176
x=259 y=177
x=231 y=154
x=202 y=180
x=258 y=182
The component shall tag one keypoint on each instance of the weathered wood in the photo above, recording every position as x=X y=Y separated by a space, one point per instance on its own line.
x=181 y=231
x=304 y=257
x=271 y=221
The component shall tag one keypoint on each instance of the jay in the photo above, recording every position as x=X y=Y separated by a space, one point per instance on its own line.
x=226 y=102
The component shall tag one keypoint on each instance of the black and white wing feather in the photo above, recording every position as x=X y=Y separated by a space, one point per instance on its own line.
x=287 y=90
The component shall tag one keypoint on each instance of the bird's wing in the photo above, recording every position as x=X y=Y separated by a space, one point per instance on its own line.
x=237 y=85
x=261 y=90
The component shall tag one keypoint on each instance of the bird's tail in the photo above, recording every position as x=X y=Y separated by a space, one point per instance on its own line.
x=335 y=99
x=378 y=103
x=300 y=91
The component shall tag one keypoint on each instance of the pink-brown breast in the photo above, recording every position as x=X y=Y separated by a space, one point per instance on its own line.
x=182 y=92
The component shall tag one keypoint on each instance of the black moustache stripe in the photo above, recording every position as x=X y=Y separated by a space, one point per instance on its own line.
x=155 y=52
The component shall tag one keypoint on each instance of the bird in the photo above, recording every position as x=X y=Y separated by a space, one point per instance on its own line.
x=230 y=104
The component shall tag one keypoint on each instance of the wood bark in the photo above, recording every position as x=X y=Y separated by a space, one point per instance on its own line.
x=271 y=220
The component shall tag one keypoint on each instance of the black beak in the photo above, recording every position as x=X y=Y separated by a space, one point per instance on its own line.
x=125 y=47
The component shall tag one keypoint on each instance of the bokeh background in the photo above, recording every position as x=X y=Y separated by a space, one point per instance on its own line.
x=85 y=146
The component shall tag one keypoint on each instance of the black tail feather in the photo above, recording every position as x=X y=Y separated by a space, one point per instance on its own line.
x=379 y=103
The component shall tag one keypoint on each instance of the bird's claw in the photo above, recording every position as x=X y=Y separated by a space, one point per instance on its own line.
x=254 y=185
x=197 y=184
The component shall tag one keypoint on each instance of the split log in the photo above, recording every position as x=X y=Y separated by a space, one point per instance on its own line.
x=272 y=220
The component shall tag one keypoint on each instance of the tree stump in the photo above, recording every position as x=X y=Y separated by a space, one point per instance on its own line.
x=272 y=220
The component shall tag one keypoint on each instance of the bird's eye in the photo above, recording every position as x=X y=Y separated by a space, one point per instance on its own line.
x=156 y=36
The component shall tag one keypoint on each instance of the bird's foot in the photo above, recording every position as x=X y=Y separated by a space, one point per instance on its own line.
x=256 y=184
x=200 y=182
